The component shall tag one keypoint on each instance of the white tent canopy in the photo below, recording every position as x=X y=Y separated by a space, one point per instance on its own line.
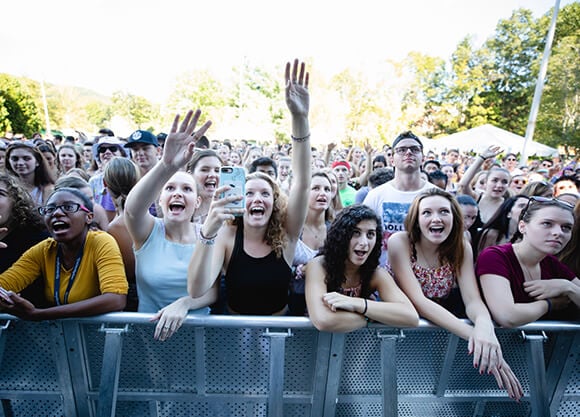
x=481 y=137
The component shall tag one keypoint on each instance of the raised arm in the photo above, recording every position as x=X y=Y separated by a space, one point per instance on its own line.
x=298 y=101
x=178 y=150
x=463 y=185
x=364 y=176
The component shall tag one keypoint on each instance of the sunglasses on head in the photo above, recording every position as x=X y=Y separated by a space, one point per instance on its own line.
x=536 y=199
x=111 y=148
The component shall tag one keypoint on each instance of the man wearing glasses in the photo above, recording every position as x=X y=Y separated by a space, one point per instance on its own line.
x=391 y=201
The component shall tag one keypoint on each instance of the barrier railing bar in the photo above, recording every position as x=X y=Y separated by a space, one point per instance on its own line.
x=334 y=371
x=63 y=371
x=323 y=348
x=537 y=373
x=479 y=408
x=277 y=356
x=78 y=366
x=447 y=365
x=571 y=355
x=109 y=385
x=389 y=372
x=4 y=403
x=200 y=368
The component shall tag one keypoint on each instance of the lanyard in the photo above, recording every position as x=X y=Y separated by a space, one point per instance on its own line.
x=72 y=275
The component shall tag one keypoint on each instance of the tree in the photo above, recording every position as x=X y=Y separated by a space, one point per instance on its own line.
x=19 y=106
x=138 y=110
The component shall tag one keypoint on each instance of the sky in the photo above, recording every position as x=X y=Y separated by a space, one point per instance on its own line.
x=141 y=46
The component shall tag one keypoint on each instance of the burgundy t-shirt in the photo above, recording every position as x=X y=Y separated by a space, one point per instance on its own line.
x=501 y=260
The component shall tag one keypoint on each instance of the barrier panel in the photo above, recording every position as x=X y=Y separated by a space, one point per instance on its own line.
x=275 y=366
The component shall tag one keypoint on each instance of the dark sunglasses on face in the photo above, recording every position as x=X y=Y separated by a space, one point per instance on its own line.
x=520 y=182
x=111 y=148
x=66 y=208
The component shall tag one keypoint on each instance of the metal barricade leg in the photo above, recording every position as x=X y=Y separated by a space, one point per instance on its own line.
x=537 y=372
x=110 y=372
x=277 y=354
x=389 y=372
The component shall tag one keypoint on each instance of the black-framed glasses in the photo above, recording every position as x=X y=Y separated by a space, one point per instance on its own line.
x=548 y=201
x=105 y=148
x=66 y=208
x=402 y=150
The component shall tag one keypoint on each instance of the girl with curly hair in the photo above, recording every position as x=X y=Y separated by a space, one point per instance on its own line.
x=341 y=281
x=255 y=250
x=429 y=260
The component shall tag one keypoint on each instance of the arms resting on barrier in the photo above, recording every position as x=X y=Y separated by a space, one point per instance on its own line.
x=284 y=322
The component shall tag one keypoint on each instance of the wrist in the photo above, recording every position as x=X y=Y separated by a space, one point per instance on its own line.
x=207 y=240
x=549 y=303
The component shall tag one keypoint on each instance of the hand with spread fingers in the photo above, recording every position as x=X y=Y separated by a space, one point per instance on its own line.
x=297 y=96
x=180 y=142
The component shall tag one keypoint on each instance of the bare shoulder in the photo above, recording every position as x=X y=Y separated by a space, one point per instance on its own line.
x=399 y=240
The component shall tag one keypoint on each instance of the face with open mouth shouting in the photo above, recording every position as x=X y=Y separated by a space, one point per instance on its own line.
x=66 y=216
x=178 y=199
x=362 y=242
x=207 y=175
x=435 y=219
x=259 y=202
x=320 y=193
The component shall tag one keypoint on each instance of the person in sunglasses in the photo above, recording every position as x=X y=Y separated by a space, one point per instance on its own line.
x=81 y=269
x=523 y=281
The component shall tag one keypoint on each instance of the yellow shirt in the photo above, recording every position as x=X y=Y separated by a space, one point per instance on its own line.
x=100 y=271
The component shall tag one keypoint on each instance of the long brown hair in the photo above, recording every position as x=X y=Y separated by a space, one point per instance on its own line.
x=451 y=250
x=569 y=254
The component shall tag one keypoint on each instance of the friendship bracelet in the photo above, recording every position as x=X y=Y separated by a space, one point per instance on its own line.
x=549 y=305
x=299 y=140
x=366 y=307
x=208 y=241
x=482 y=158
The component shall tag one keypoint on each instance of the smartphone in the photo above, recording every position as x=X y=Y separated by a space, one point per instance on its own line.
x=235 y=178
x=5 y=295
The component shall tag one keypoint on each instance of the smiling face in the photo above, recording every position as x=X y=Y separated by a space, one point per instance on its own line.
x=497 y=183
x=320 y=193
x=207 y=176
x=144 y=155
x=67 y=227
x=178 y=199
x=362 y=242
x=549 y=229
x=259 y=203
x=435 y=219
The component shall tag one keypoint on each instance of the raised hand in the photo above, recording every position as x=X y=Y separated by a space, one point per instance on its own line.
x=180 y=142
x=491 y=152
x=297 y=96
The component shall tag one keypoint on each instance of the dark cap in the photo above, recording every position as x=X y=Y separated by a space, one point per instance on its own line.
x=142 y=136
x=407 y=135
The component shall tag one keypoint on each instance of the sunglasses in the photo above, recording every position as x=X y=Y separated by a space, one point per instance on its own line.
x=111 y=148
x=535 y=199
x=520 y=182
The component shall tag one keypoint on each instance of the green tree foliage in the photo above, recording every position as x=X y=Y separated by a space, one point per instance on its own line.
x=18 y=105
x=98 y=114
x=138 y=110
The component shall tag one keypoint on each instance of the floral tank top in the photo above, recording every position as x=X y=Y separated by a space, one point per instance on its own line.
x=436 y=283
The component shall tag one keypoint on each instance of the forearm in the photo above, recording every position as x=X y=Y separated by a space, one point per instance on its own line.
x=200 y=276
x=339 y=321
x=205 y=300
x=443 y=318
x=101 y=304
x=301 y=152
x=392 y=314
x=521 y=313
x=573 y=293
x=474 y=168
x=144 y=193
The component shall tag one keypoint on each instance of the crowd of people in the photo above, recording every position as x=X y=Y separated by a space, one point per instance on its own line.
x=345 y=236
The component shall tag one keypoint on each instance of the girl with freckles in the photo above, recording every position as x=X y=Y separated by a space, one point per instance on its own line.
x=341 y=281
x=430 y=260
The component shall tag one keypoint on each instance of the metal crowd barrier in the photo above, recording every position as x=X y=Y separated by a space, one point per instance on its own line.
x=275 y=366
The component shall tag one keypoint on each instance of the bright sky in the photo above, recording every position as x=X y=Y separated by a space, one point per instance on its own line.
x=140 y=46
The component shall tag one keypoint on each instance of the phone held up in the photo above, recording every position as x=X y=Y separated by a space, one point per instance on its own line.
x=235 y=178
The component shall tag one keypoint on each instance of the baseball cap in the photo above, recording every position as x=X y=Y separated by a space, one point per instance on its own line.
x=142 y=136
x=339 y=163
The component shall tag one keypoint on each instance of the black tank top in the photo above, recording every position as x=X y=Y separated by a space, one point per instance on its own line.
x=256 y=286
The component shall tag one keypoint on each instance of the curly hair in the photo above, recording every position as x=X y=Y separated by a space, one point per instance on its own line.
x=275 y=231
x=451 y=250
x=23 y=208
x=42 y=175
x=337 y=245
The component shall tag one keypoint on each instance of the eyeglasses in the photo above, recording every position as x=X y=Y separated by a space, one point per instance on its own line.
x=511 y=159
x=402 y=150
x=66 y=208
x=520 y=182
x=546 y=164
x=547 y=201
x=105 y=148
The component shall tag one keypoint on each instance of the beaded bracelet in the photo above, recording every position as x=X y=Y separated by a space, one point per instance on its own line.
x=302 y=139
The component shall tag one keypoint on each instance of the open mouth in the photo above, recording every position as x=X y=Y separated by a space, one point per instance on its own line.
x=436 y=229
x=210 y=185
x=59 y=226
x=176 y=208
x=257 y=211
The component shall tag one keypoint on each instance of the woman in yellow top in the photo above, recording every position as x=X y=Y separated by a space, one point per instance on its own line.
x=82 y=269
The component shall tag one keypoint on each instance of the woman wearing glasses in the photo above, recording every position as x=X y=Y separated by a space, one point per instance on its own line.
x=81 y=269
x=524 y=281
